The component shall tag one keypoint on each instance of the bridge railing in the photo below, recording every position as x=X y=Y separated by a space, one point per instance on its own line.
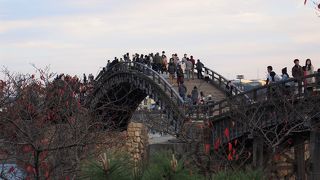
x=289 y=89
x=220 y=81
x=148 y=71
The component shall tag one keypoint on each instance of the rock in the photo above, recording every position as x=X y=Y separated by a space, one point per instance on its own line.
x=138 y=139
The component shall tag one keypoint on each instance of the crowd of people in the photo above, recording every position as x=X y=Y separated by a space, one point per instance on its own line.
x=174 y=66
x=178 y=70
x=298 y=73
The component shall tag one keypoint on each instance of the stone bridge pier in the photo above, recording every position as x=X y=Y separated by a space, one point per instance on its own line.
x=137 y=141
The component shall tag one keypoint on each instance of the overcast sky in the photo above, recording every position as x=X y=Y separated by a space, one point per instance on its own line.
x=231 y=37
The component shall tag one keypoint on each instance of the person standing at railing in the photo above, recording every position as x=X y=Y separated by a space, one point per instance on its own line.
x=297 y=73
x=126 y=57
x=199 y=67
x=193 y=65
x=108 y=64
x=285 y=77
x=271 y=78
x=274 y=78
x=195 y=95
x=114 y=63
x=210 y=105
x=309 y=70
x=229 y=89
x=189 y=68
x=172 y=71
x=206 y=76
x=269 y=69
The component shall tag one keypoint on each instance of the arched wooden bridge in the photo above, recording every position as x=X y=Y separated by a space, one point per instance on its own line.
x=274 y=112
x=125 y=85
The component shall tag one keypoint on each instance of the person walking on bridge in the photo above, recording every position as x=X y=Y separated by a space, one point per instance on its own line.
x=195 y=95
x=193 y=64
x=199 y=67
x=189 y=69
x=172 y=70
x=164 y=64
x=180 y=75
x=297 y=73
x=182 y=91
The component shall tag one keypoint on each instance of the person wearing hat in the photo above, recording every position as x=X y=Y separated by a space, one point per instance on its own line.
x=297 y=73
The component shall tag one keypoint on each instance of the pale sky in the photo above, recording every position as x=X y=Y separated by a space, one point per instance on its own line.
x=231 y=37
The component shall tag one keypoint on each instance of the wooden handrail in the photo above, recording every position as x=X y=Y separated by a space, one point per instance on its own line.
x=216 y=108
x=253 y=92
x=221 y=79
x=142 y=68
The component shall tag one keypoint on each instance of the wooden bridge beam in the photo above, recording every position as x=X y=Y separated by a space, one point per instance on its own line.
x=257 y=152
x=315 y=154
x=299 y=156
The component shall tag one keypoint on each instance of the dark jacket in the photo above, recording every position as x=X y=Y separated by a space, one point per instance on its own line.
x=180 y=72
x=172 y=68
x=182 y=89
x=297 y=72
x=199 y=66
x=194 y=95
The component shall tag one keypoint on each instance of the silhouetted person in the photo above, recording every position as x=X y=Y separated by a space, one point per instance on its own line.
x=199 y=67
x=269 y=69
x=285 y=77
x=180 y=75
x=195 y=95
x=84 y=78
x=172 y=70
x=193 y=65
x=182 y=90
x=297 y=73
x=229 y=89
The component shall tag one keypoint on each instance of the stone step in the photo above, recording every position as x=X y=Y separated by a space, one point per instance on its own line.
x=206 y=88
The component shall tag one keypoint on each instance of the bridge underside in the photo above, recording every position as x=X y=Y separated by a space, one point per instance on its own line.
x=118 y=104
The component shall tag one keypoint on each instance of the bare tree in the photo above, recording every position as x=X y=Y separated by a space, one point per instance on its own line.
x=45 y=129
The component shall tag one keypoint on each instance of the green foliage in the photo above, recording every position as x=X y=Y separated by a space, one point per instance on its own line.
x=160 y=168
x=119 y=168
x=240 y=175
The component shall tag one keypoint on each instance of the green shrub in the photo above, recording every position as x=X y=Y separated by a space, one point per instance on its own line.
x=161 y=167
x=109 y=167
